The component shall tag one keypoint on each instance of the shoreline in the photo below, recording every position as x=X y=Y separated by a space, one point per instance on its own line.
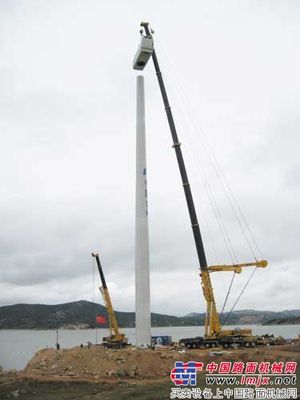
x=132 y=327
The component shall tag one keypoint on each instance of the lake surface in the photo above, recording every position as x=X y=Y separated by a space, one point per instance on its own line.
x=18 y=346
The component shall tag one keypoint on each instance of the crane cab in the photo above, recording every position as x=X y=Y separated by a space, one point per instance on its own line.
x=143 y=53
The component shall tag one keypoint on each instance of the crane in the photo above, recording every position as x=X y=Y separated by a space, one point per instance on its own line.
x=213 y=330
x=212 y=320
x=116 y=339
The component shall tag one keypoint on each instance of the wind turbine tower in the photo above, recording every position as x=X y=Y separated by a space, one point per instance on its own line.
x=142 y=273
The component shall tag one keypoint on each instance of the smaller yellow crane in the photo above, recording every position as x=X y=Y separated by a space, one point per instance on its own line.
x=116 y=339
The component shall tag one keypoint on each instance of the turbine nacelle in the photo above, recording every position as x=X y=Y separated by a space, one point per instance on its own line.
x=143 y=53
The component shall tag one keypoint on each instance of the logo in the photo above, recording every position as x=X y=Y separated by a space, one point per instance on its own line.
x=185 y=373
x=231 y=380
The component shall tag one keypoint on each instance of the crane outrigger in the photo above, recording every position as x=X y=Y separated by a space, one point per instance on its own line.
x=213 y=335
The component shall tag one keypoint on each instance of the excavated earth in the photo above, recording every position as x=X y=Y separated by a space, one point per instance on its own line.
x=99 y=373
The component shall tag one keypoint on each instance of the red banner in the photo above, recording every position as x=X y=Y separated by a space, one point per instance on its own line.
x=100 y=319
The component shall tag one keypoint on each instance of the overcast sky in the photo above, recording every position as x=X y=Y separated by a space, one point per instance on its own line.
x=67 y=123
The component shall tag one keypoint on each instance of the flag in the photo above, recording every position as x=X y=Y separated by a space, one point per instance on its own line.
x=100 y=319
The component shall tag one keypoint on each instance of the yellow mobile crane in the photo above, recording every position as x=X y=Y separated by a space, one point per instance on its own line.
x=116 y=339
x=213 y=333
x=212 y=321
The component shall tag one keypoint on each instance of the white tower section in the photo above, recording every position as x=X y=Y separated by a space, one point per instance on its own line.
x=142 y=274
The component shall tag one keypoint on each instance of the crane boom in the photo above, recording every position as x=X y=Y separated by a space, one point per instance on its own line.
x=238 y=267
x=115 y=335
x=180 y=160
x=212 y=321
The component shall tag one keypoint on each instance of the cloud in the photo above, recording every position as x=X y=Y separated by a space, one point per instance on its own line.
x=67 y=120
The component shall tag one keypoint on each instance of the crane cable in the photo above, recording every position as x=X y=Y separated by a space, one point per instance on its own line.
x=215 y=164
x=211 y=198
x=242 y=216
x=228 y=191
x=207 y=188
x=217 y=214
x=239 y=296
x=227 y=296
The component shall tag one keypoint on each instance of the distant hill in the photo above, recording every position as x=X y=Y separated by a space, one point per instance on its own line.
x=81 y=314
x=252 y=317
x=284 y=321
x=78 y=314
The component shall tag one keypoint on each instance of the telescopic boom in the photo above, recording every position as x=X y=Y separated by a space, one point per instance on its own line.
x=212 y=322
x=180 y=160
x=116 y=339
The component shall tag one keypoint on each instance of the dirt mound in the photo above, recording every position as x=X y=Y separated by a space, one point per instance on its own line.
x=98 y=362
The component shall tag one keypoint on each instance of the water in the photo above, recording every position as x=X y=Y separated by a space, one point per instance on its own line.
x=18 y=346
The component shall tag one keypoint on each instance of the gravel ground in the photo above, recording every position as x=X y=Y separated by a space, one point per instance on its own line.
x=98 y=373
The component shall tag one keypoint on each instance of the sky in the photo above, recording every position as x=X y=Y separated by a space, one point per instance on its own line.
x=67 y=123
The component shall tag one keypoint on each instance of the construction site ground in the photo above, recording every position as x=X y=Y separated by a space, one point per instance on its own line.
x=99 y=373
